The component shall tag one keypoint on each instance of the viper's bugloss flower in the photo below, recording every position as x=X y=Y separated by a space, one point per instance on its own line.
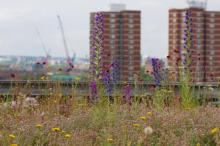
x=115 y=71
x=106 y=78
x=97 y=46
x=156 y=70
x=127 y=93
x=93 y=90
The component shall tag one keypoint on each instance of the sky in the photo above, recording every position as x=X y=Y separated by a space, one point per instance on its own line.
x=20 y=18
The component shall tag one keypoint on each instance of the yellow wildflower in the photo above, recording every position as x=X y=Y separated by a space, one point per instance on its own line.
x=214 y=131
x=136 y=125
x=149 y=113
x=188 y=108
x=43 y=78
x=39 y=126
x=67 y=136
x=110 y=140
x=14 y=144
x=56 y=129
x=12 y=136
x=77 y=78
x=63 y=131
x=198 y=144
x=142 y=118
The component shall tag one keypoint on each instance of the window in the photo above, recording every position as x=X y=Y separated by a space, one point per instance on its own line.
x=112 y=36
x=199 y=46
x=199 y=24
x=131 y=52
x=199 y=30
x=112 y=26
x=130 y=68
x=211 y=31
x=212 y=14
x=112 y=42
x=212 y=25
x=131 y=31
x=131 y=26
x=112 y=20
x=199 y=14
x=174 y=14
x=131 y=47
x=212 y=20
x=131 y=41
x=211 y=47
x=112 y=15
x=131 y=20
x=212 y=52
x=183 y=13
x=182 y=41
x=131 y=15
x=112 y=31
x=130 y=36
x=211 y=36
x=174 y=20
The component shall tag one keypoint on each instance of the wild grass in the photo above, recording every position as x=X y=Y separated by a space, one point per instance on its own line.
x=77 y=123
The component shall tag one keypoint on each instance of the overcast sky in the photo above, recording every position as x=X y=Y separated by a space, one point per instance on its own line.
x=18 y=19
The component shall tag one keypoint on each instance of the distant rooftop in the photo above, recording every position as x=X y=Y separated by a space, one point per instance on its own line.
x=197 y=3
x=117 y=7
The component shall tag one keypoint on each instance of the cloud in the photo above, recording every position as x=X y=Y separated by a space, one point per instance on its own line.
x=18 y=18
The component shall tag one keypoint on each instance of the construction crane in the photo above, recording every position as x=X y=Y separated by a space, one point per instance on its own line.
x=74 y=57
x=44 y=47
x=69 y=60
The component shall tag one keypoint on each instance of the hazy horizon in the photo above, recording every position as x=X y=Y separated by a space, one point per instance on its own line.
x=19 y=19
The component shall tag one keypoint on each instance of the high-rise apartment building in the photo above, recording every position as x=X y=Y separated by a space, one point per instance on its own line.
x=121 y=40
x=205 y=40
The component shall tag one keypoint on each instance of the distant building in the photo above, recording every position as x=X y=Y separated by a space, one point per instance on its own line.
x=205 y=50
x=122 y=40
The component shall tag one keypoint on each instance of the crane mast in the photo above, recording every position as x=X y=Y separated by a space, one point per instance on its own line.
x=69 y=62
x=43 y=46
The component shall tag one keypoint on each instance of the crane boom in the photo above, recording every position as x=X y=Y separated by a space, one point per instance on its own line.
x=63 y=37
x=41 y=40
